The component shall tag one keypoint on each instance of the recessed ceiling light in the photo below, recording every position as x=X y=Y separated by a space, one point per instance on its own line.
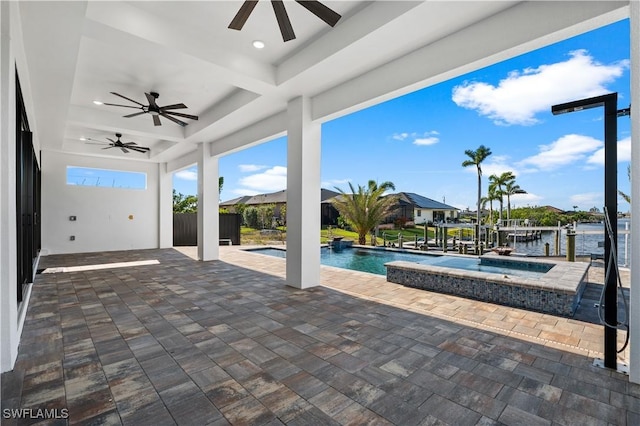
x=258 y=44
x=97 y=102
x=83 y=139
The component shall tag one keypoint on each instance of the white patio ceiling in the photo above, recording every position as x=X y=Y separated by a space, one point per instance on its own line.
x=78 y=52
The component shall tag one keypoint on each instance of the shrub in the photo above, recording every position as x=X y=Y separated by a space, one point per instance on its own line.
x=251 y=217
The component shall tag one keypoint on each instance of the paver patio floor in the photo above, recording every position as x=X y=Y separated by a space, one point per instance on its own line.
x=227 y=342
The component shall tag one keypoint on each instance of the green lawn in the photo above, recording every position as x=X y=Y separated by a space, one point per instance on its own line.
x=250 y=236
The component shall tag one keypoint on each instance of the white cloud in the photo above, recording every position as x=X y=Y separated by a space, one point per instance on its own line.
x=527 y=199
x=565 y=150
x=494 y=165
x=587 y=200
x=243 y=191
x=273 y=179
x=400 y=136
x=248 y=168
x=427 y=138
x=624 y=153
x=431 y=140
x=330 y=184
x=522 y=94
x=187 y=174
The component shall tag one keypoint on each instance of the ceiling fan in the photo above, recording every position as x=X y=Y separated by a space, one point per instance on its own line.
x=320 y=10
x=155 y=110
x=124 y=146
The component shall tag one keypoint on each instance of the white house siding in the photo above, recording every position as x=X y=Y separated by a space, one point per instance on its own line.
x=103 y=220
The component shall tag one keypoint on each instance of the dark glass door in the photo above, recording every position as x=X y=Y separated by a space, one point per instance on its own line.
x=27 y=199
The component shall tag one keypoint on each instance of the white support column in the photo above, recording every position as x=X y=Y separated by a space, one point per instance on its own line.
x=9 y=321
x=165 y=207
x=303 y=196
x=208 y=202
x=634 y=302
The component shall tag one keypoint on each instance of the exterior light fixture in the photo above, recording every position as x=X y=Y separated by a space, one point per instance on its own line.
x=258 y=44
x=610 y=104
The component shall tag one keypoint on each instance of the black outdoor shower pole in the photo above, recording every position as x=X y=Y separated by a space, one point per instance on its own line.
x=610 y=103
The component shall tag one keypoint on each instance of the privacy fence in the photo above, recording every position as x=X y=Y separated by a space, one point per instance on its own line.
x=185 y=228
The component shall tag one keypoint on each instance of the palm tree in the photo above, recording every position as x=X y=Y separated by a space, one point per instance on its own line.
x=365 y=208
x=492 y=196
x=626 y=197
x=510 y=189
x=475 y=159
x=498 y=184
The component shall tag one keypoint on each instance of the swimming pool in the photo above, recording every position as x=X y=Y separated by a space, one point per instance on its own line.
x=548 y=286
x=373 y=260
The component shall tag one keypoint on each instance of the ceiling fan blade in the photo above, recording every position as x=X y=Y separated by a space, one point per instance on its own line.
x=128 y=144
x=283 y=20
x=179 y=114
x=96 y=143
x=323 y=12
x=174 y=106
x=175 y=120
x=124 y=97
x=156 y=120
x=152 y=100
x=110 y=146
x=134 y=114
x=110 y=140
x=126 y=151
x=124 y=106
x=243 y=14
x=139 y=149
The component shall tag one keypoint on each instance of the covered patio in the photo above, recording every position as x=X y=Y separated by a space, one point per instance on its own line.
x=220 y=336
x=180 y=341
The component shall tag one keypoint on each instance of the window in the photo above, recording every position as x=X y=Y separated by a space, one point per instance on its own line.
x=86 y=176
x=419 y=212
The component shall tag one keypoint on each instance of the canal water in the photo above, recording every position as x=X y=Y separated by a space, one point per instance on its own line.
x=589 y=240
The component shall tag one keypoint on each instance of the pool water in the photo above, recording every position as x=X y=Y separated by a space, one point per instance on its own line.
x=372 y=261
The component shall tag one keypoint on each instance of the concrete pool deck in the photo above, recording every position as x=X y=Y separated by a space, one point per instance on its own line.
x=550 y=330
x=183 y=342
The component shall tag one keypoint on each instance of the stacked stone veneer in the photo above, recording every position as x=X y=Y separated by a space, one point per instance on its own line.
x=556 y=292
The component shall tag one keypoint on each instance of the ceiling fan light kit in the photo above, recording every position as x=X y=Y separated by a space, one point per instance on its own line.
x=323 y=12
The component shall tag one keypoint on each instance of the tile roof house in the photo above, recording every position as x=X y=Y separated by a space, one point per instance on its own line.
x=420 y=209
x=279 y=198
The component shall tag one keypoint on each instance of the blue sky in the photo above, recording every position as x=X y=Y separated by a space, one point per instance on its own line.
x=417 y=141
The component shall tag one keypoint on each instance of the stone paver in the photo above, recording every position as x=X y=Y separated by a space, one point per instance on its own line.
x=227 y=342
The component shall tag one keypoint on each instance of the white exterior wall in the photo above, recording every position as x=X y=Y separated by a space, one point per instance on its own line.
x=102 y=214
x=208 y=204
x=425 y=216
x=303 y=195
x=11 y=57
x=9 y=335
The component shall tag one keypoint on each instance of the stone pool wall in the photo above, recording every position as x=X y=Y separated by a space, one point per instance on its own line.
x=556 y=292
